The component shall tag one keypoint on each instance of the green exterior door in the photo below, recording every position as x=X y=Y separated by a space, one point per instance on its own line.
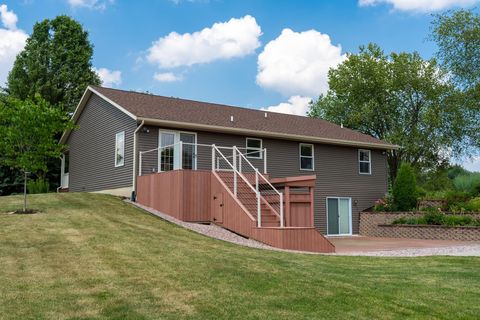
x=339 y=216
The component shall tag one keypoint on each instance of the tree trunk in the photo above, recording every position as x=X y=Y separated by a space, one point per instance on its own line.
x=393 y=160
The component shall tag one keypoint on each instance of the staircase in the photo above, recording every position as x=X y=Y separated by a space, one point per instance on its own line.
x=248 y=198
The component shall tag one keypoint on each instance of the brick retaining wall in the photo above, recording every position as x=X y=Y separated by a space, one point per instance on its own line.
x=378 y=224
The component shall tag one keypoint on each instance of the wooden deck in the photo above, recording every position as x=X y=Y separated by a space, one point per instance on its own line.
x=202 y=196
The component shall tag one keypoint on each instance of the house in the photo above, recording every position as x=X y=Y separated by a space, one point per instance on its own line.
x=279 y=170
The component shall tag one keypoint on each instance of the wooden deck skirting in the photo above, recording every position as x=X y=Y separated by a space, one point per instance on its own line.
x=201 y=196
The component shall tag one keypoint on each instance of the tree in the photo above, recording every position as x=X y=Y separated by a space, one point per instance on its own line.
x=399 y=98
x=405 y=189
x=457 y=35
x=55 y=64
x=28 y=129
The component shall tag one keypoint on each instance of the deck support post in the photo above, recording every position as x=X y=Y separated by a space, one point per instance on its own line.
x=287 y=206
x=140 y=163
x=265 y=161
x=234 y=150
x=213 y=157
x=312 y=211
x=282 y=218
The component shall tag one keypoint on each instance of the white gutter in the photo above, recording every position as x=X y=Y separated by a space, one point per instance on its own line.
x=134 y=186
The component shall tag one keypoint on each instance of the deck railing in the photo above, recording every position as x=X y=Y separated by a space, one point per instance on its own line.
x=232 y=164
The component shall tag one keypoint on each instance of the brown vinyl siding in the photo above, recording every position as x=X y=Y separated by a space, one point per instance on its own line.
x=336 y=168
x=92 y=148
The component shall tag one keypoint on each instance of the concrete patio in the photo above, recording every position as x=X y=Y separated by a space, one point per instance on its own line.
x=359 y=244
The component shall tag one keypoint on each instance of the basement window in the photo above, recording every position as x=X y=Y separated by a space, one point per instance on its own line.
x=364 y=161
x=306 y=157
x=254 y=148
x=120 y=149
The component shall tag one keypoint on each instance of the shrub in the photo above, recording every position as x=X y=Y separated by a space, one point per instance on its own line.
x=474 y=205
x=458 y=221
x=405 y=189
x=38 y=186
x=455 y=201
x=434 y=217
x=468 y=183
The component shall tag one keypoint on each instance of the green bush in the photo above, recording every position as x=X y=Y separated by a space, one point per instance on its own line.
x=458 y=221
x=473 y=205
x=434 y=217
x=455 y=201
x=468 y=183
x=405 y=189
x=38 y=186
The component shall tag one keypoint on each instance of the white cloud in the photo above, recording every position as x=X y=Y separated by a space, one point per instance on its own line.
x=224 y=40
x=12 y=41
x=420 y=5
x=297 y=63
x=296 y=105
x=109 y=77
x=9 y=18
x=167 y=77
x=472 y=164
x=90 y=4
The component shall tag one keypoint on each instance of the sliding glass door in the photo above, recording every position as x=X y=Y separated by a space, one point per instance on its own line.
x=339 y=216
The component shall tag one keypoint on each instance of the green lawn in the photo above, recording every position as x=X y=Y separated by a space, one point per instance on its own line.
x=94 y=257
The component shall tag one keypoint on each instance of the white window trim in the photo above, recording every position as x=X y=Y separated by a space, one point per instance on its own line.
x=300 y=156
x=260 y=150
x=116 y=148
x=349 y=214
x=177 y=162
x=363 y=161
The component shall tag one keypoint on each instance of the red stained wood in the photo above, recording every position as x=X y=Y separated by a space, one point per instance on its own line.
x=200 y=196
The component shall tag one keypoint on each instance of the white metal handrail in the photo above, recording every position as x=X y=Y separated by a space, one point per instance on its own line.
x=236 y=174
x=259 y=176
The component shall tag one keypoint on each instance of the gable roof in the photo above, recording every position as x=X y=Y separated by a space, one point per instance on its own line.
x=182 y=113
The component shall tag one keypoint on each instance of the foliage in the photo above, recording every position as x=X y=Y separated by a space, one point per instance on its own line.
x=38 y=186
x=436 y=179
x=28 y=130
x=10 y=180
x=405 y=189
x=457 y=35
x=468 y=183
x=399 y=98
x=55 y=63
x=439 y=219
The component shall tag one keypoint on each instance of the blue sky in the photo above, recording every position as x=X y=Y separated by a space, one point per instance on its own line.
x=259 y=54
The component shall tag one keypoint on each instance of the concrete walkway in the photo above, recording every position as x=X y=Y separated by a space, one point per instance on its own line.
x=354 y=245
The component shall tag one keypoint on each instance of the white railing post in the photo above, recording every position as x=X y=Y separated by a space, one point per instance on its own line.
x=140 y=164
x=180 y=156
x=213 y=157
x=282 y=220
x=234 y=150
x=265 y=160
x=239 y=162
x=259 y=211
x=256 y=179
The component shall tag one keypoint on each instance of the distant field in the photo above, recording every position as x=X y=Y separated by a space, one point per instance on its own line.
x=91 y=256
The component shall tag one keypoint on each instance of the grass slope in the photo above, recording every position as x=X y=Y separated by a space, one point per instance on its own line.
x=92 y=256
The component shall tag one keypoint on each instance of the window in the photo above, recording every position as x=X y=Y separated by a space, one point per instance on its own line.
x=254 y=148
x=365 y=162
x=306 y=156
x=120 y=149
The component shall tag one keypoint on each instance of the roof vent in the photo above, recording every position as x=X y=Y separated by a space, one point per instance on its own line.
x=266 y=115
x=231 y=118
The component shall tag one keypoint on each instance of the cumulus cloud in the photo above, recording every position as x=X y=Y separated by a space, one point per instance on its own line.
x=12 y=41
x=420 y=5
x=167 y=77
x=297 y=63
x=109 y=77
x=9 y=18
x=90 y=4
x=223 y=40
x=296 y=105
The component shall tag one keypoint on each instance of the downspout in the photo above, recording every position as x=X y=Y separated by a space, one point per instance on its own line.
x=134 y=186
